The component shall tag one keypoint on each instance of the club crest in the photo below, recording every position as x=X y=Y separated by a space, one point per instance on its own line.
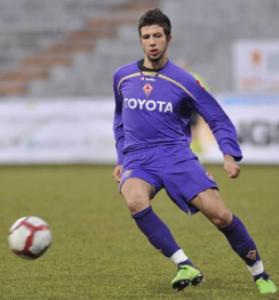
x=252 y=254
x=147 y=88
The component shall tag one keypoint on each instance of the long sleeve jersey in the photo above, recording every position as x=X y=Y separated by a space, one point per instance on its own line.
x=154 y=108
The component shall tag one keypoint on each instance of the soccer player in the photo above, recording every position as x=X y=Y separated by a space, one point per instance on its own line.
x=154 y=100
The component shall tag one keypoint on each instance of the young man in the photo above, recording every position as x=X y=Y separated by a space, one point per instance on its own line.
x=154 y=101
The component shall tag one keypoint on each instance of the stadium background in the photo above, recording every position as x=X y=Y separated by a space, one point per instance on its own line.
x=56 y=64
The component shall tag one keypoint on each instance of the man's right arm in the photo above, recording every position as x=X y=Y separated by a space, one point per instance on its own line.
x=117 y=172
x=118 y=127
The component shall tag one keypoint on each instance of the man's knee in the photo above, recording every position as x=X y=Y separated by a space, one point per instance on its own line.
x=212 y=206
x=136 y=194
x=136 y=201
x=222 y=218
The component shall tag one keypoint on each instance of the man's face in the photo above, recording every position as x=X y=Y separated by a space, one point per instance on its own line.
x=154 y=42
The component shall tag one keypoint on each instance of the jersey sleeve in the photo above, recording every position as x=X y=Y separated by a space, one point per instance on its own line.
x=220 y=124
x=117 y=122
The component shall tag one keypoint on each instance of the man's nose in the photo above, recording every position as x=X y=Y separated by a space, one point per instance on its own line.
x=152 y=41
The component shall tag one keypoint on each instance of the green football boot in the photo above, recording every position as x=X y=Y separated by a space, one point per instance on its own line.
x=266 y=286
x=186 y=275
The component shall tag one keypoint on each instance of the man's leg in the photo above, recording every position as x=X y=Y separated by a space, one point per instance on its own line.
x=137 y=194
x=211 y=205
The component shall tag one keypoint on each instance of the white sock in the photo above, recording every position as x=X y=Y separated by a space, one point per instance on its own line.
x=257 y=268
x=178 y=257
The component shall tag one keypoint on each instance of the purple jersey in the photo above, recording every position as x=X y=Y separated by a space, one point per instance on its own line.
x=154 y=108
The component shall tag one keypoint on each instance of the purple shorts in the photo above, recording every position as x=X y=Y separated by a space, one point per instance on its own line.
x=174 y=168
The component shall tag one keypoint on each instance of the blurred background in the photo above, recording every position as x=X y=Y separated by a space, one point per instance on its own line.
x=57 y=58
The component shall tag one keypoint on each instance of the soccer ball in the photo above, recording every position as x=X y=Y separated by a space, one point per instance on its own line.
x=29 y=237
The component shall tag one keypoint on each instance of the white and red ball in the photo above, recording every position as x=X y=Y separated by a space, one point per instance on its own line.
x=29 y=237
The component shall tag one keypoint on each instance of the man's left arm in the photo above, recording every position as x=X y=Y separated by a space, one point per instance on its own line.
x=220 y=125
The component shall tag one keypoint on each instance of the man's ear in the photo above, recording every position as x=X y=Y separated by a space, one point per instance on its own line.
x=140 y=41
x=169 y=38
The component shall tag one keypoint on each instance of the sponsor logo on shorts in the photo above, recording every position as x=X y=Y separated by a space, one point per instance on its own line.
x=126 y=174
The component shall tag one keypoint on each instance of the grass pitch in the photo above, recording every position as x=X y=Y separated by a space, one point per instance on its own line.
x=98 y=253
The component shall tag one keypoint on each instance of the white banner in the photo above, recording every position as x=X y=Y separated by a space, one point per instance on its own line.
x=256 y=65
x=56 y=131
x=80 y=130
x=256 y=118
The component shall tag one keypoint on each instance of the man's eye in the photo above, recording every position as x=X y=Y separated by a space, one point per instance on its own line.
x=158 y=35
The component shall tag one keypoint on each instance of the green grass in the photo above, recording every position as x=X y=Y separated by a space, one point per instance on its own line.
x=98 y=253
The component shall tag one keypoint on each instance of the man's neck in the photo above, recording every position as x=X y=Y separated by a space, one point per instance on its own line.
x=155 y=65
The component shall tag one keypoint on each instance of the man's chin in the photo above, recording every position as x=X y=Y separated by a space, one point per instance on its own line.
x=155 y=59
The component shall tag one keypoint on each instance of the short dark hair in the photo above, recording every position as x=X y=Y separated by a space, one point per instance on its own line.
x=155 y=17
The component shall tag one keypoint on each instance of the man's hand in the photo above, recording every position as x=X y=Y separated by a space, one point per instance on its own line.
x=117 y=172
x=231 y=166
